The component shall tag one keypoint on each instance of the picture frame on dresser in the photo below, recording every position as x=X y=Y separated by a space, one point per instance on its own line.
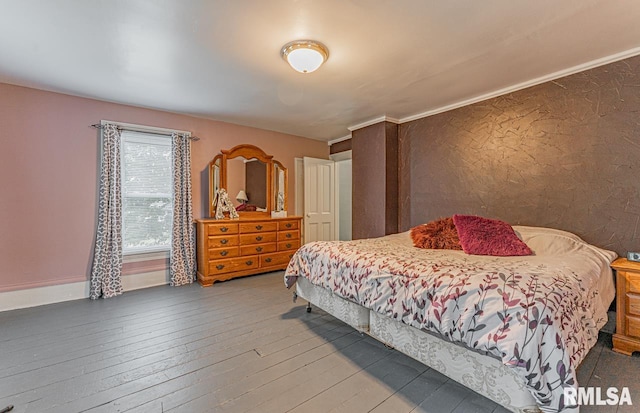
x=256 y=242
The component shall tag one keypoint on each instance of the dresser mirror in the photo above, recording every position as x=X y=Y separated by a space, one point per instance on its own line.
x=214 y=173
x=256 y=184
x=250 y=176
x=280 y=187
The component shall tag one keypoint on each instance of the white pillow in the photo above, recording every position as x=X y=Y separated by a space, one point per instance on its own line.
x=554 y=242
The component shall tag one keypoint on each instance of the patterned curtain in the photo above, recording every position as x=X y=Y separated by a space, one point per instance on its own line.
x=107 y=256
x=183 y=257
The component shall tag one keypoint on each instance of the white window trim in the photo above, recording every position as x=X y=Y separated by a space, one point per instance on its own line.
x=145 y=253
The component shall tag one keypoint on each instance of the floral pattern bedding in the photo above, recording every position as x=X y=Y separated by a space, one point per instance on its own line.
x=539 y=315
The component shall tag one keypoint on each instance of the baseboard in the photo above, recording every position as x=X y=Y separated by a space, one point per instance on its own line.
x=32 y=297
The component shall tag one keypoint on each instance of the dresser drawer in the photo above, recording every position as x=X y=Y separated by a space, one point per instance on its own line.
x=633 y=282
x=233 y=264
x=287 y=225
x=222 y=229
x=258 y=249
x=289 y=245
x=258 y=227
x=279 y=258
x=221 y=253
x=633 y=304
x=258 y=238
x=633 y=326
x=222 y=241
x=288 y=235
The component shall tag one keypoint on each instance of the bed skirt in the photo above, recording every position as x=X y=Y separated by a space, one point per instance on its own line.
x=483 y=374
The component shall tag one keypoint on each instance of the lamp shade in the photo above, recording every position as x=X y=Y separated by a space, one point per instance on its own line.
x=305 y=56
x=242 y=196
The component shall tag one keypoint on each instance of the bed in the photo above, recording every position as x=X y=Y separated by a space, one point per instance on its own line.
x=513 y=329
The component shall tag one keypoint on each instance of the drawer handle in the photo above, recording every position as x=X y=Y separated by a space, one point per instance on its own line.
x=290 y=256
x=288 y=235
x=268 y=260
x=219 y=267
x=224 y=241
x=288 y=245
x=224 y=229
x=258 y=238
x=258 y=249
x=249 y=262
x=288 y=225
x=224 y=253
x=258 y=227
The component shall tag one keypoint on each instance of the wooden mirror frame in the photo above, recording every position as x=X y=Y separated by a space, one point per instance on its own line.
x=247 y=152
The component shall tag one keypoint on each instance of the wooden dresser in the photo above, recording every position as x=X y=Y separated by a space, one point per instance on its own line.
x=626 y=340
x=234 y=248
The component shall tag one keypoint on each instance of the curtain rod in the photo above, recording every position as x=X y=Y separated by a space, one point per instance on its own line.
x=141 y=130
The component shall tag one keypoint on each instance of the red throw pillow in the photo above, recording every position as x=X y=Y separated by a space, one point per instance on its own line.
x=484 y=236
x=438 y=234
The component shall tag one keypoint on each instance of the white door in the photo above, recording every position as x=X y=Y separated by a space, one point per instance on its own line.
x=320 y=223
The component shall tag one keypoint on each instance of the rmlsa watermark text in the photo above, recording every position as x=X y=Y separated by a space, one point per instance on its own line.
x=597 y=396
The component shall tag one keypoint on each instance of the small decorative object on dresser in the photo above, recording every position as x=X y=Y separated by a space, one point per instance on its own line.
x=626 y=340
x=223 y=204
x=244 y=247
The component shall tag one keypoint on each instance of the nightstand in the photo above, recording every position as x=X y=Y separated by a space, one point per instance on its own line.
x=626 y=340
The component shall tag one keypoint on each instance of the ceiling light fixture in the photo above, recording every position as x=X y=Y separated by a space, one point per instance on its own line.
x=305 y=56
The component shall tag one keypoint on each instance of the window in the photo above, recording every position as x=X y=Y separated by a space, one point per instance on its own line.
x=147 y=192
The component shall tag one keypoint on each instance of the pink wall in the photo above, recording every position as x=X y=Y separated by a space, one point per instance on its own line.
x=48 y=176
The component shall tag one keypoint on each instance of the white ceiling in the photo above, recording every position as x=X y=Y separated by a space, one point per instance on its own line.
x=220 y=59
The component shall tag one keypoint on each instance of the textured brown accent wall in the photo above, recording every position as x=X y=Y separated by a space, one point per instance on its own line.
x=391 y=178
x=367 y=180
x=563 y=154
x=375 y=180
x=338 y=147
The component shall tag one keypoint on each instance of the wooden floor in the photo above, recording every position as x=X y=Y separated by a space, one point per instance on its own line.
x=239 y=346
